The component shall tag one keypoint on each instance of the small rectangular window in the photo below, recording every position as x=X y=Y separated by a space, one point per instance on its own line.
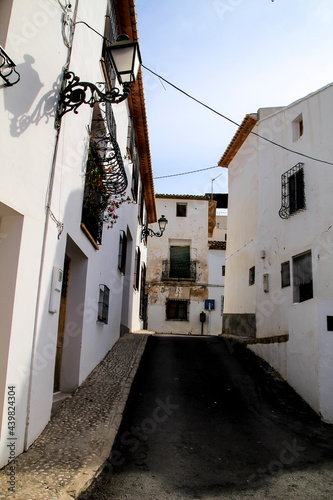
x=302 y=277
x=252 y=275
x=223 y=270
x=137 y=269
x=141 y=204
x=103 y=304
x=181 y=210
x=285 y=274
x=297 y=127
x=143 y=295
x=177 y=310
x=122 y=252
x=330 y=323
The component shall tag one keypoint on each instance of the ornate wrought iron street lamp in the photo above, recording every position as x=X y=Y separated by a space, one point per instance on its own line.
x=126 y=61
x=146 y=231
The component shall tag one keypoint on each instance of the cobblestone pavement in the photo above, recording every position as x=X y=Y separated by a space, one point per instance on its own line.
x=73 y=447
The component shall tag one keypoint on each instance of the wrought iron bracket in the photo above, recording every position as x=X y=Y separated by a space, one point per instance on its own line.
x=8 y=69
x=75 y=93
x=146 y=231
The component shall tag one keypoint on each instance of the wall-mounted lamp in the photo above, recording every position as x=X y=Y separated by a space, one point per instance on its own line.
x=126 y=61
x=8 y=71
x=146 y=231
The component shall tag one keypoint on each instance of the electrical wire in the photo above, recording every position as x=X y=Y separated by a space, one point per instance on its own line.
x=217 y=112
x=186 y=173
x=235 y=123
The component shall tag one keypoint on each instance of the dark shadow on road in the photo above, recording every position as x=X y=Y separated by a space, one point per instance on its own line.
x=204 y=421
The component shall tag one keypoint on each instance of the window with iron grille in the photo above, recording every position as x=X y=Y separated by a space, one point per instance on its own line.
x=122 y=252
x=143 y=295
x=141 y=203
x=94 y=199
x=177 y=310
x=285 y=274
x=111 y=34
x=137 y=268
x=111 y=121
x=302 y=277
x=103 y=304
x=292 y=191
x=135 y=177
x=131 y=140
x=252 y=275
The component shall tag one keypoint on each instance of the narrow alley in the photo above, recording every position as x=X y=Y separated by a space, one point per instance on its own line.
x=206 y=419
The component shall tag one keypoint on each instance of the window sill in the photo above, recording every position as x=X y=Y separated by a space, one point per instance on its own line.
x=88 y=235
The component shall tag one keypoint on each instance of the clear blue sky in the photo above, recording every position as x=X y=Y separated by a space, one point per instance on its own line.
x=234 y=55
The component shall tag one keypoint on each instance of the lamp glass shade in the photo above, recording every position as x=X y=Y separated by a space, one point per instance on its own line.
x=126 y=60
x=162 y=222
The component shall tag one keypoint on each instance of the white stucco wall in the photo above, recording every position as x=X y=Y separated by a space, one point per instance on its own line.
x=242 y=213
x=216 y=259
x=27 y=141
x=305 y=361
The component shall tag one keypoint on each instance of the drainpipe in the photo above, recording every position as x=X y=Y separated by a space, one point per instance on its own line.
x=46 y=225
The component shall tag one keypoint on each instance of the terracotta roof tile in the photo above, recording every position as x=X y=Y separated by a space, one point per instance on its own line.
x=217 y=245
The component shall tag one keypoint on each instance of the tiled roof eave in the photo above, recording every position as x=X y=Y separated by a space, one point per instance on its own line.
x=127 y=22
x=239 y=138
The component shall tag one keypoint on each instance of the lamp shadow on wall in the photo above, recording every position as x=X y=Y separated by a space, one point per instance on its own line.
x=20 y=98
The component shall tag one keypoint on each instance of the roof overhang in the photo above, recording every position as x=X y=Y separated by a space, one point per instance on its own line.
x=127 y=23
x=239 y=138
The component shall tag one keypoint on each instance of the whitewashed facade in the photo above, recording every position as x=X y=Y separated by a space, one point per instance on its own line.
x=279 y=280
x=63 y=289
x=182 y=271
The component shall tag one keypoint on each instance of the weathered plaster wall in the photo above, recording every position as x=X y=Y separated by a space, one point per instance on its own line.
x=191 y=230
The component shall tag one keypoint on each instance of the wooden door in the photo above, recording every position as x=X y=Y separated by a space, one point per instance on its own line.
x=61 y=324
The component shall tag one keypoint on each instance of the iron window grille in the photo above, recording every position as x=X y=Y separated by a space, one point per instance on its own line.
x=103 y=304
x=93 y=204
x=135 y=177
x=131 y=140
x=292 y=191
x=111 y=32
x=110 y=120
x=8 y=71
x=285 y=274
x=177 y=310
x=143 y=295
x=137 y=269
x=122 y=252
x=141 y=203
x=252 y=276
x=145 y=223
x=176 y=270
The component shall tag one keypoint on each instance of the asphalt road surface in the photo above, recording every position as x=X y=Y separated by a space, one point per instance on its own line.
x=206 y=419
